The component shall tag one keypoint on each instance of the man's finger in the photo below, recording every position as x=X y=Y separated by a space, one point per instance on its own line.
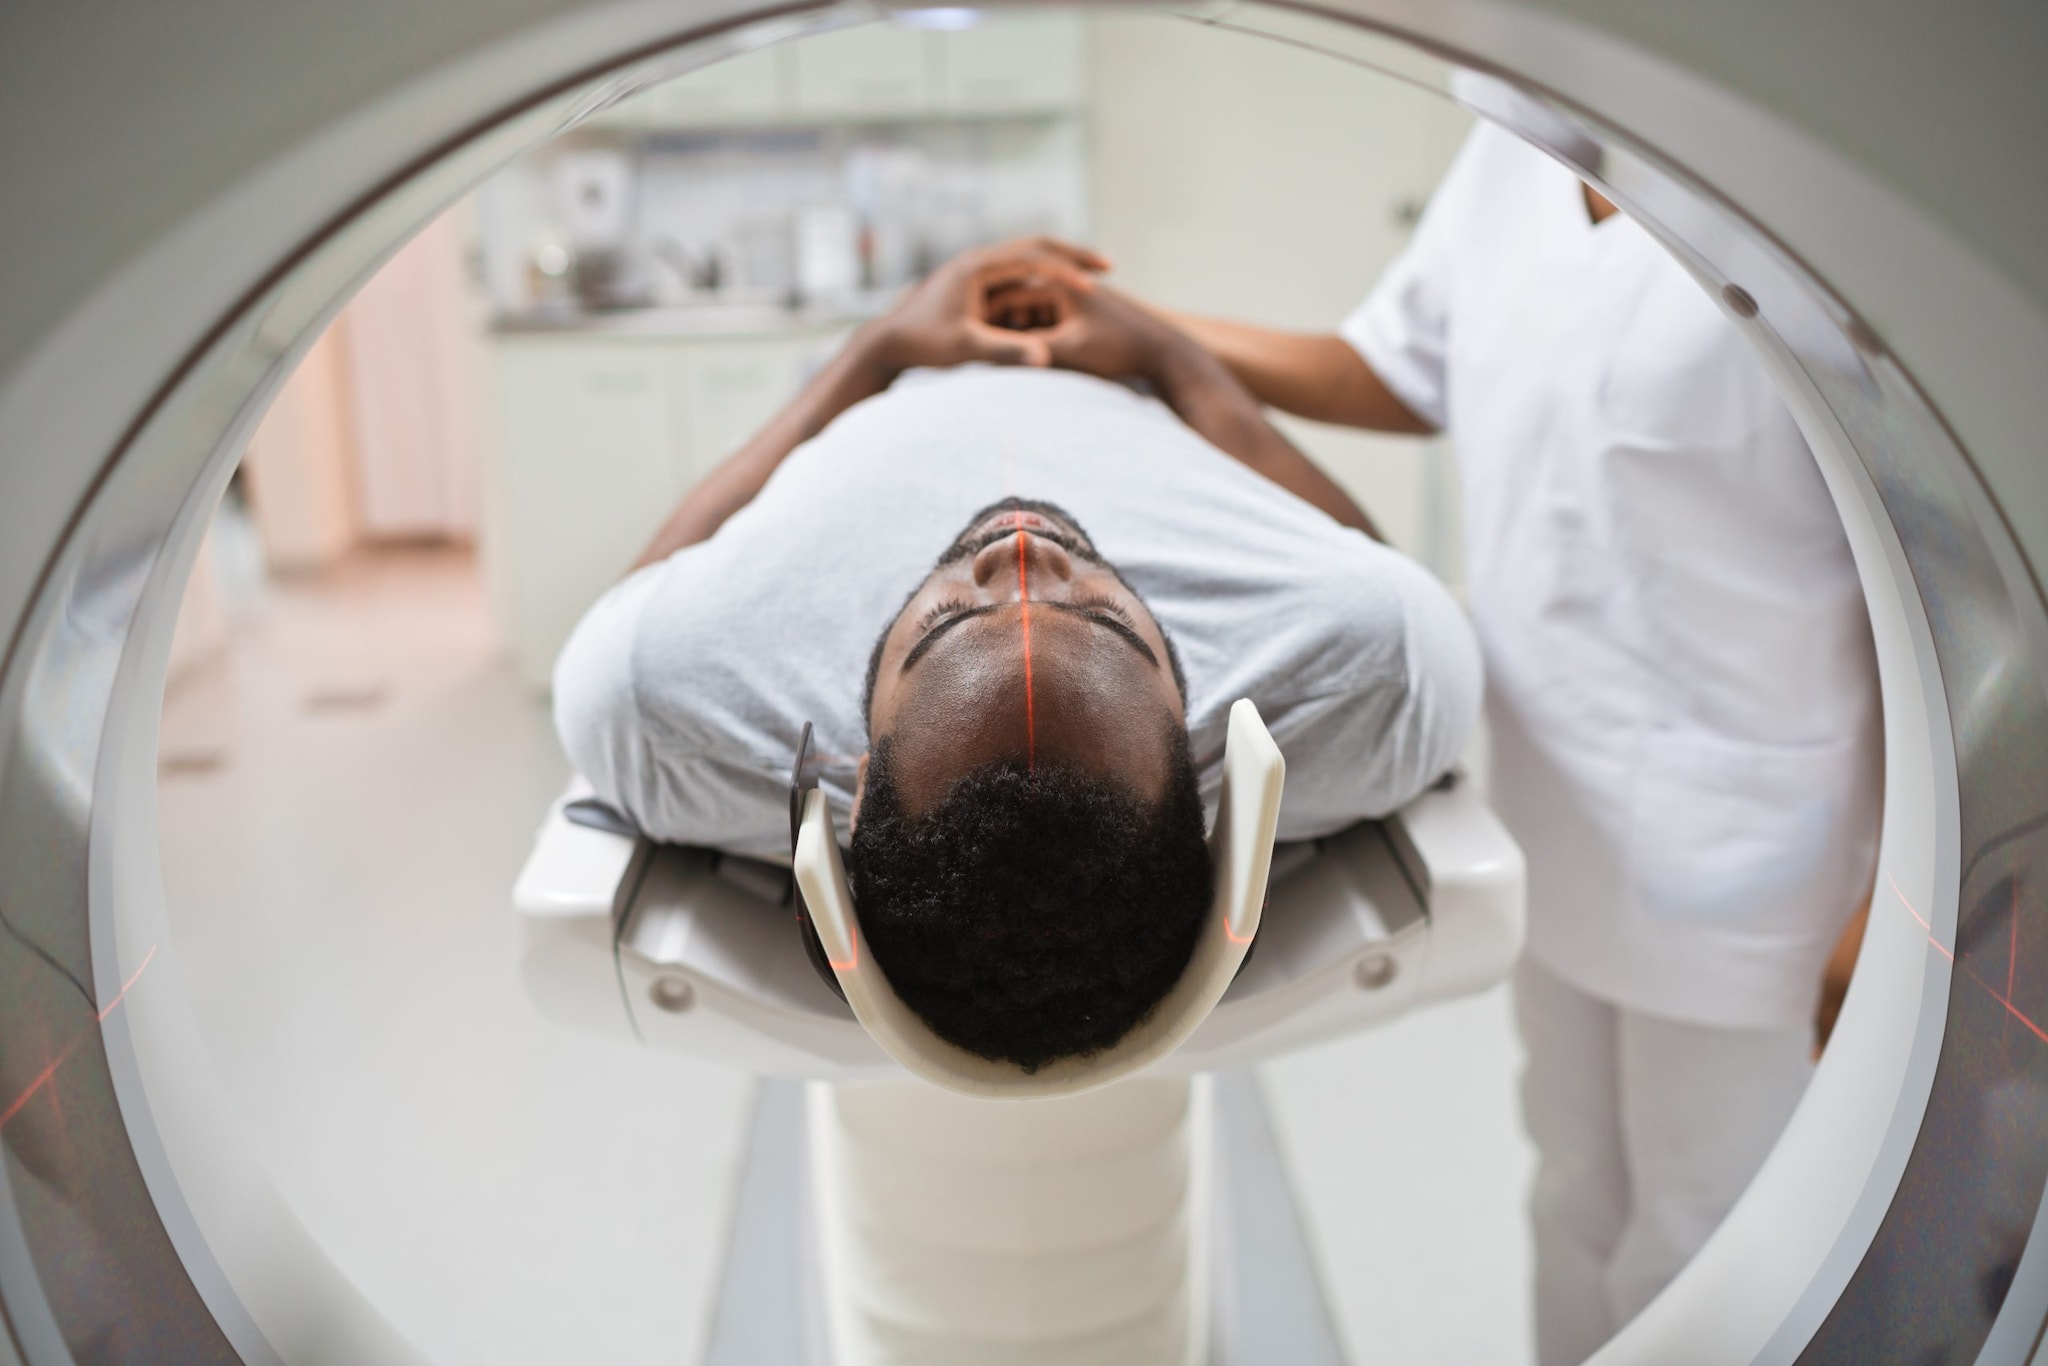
x=1002 y=347
x=1085 y=257
x=1064 y=340
x=1024 y=307
x=1034 y=271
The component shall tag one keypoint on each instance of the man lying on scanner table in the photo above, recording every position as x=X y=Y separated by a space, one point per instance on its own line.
x=1015 y=551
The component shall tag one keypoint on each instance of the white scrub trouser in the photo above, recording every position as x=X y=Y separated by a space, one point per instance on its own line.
x=1647 y=1130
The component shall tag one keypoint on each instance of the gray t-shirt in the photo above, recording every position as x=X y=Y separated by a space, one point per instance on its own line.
x=682 y=693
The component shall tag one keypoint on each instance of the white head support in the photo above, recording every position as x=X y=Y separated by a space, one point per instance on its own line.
x=1241 y=849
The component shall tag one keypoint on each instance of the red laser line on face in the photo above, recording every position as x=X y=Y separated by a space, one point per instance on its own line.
x=43 y=1077
x=1024 y=605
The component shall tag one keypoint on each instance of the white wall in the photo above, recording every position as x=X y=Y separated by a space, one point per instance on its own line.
x=1240 y=176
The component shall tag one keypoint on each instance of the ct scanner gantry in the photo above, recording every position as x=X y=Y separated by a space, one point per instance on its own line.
x=192 y=190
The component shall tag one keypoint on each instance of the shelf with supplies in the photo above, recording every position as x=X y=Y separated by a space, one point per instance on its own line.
x=1010 y=66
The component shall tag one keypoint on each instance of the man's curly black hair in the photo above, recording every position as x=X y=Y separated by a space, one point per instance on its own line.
x=1033 y=914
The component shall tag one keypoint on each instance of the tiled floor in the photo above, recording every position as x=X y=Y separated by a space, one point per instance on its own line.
x=346 y=797
x=1410 y=1167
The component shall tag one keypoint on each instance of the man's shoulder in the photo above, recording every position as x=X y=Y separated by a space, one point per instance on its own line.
x=1323 y=620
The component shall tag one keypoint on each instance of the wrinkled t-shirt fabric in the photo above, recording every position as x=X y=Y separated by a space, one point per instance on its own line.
x=682 y=693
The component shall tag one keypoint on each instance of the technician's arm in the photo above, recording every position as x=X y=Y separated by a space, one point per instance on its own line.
x=1317 y=377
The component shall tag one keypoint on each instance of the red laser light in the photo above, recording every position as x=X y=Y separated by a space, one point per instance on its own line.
x=2004 y=999
x=43 y=1077
x=122 y=994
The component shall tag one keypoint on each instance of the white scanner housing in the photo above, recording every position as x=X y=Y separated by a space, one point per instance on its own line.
x=698 y=952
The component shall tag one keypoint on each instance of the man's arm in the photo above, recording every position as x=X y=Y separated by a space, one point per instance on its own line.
x=861 y=370
x=1320 y=377
x=1218 y=406
x=1106 y=333
x=942 y=322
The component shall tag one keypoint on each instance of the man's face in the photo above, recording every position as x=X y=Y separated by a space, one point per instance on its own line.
x=1023 y=644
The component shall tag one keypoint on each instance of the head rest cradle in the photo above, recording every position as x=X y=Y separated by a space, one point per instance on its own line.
x=1241 y=849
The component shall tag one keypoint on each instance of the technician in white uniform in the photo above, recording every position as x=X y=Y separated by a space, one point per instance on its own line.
x=1681 y=693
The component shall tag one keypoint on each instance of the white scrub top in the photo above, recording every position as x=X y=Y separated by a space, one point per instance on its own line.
x=1681 y=689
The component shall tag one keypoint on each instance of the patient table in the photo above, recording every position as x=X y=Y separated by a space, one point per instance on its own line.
x=944 y=1228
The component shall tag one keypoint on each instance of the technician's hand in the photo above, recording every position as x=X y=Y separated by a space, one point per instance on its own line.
x=947 y=320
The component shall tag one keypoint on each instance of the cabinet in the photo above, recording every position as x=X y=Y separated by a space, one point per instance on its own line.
x=730 y=392
x=750 y=88
x=1010 y=63
x=874 y=70
x=588 y=468
x=597 y=440
x=1006 y=64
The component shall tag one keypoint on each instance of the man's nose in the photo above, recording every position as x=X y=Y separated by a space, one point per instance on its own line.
x=1025 y=561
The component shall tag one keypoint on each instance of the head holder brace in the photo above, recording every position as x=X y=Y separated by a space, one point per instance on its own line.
x=1240 y=848
x=803 y=782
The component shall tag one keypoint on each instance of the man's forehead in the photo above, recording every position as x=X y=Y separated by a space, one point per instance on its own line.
x=1095 y=709
x=980 y=665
